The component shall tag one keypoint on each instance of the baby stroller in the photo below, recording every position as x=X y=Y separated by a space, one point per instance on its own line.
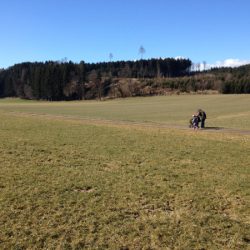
x=194 y=122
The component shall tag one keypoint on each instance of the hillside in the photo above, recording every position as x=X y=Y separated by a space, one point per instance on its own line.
x=70 y=81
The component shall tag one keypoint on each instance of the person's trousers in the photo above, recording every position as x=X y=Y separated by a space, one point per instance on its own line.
x=202 y=123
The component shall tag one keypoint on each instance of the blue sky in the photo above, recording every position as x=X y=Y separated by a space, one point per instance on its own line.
x=215 y=31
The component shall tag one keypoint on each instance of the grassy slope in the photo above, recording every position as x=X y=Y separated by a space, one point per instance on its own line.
x=68 y=185
x=230 y=111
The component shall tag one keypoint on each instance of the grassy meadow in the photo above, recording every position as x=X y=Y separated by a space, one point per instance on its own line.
x=69 y=182
x=229 y=111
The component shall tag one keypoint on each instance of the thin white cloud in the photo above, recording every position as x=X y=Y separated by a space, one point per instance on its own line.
x=179 y=57
x=229 y=63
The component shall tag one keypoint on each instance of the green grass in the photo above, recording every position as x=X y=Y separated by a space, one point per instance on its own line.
x=68 y=185
x=230 y=111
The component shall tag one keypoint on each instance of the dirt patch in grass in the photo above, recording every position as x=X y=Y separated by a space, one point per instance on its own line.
x=84 y=190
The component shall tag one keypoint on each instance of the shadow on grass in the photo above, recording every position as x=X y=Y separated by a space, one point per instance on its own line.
x=213 y=128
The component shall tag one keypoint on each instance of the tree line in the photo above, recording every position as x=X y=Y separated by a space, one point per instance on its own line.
x=68 y=81
x=75 y=81
x=233 y=80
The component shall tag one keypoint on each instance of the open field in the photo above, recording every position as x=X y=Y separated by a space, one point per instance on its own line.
x=69 y=182
x=229 y=111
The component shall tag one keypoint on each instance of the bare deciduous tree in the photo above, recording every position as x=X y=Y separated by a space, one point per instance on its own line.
x=110 y=56
x=142 y=51
x=204 y=65
x=96 y=78
x=198 y=66
x=64 y=60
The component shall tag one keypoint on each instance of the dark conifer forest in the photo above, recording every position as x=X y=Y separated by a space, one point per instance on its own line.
x=57 y=81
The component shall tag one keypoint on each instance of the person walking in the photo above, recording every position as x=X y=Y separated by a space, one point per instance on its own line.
x=203 y=117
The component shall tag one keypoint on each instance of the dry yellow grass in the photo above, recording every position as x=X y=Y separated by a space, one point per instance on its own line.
x=68 y=183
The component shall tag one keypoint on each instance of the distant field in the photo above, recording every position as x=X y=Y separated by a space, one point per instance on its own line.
x=69 y=184
x=230 y=111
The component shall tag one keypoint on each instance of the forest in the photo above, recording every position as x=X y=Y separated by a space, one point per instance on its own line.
x=60 y=80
